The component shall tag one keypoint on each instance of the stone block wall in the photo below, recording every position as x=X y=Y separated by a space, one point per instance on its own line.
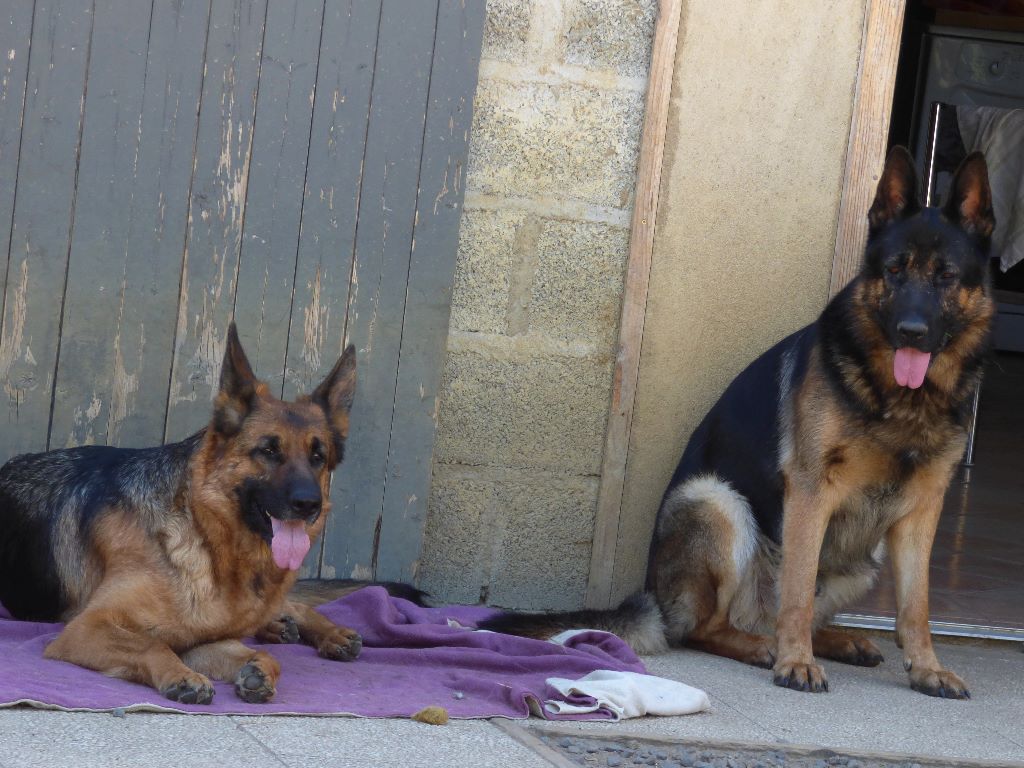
x=535 y=309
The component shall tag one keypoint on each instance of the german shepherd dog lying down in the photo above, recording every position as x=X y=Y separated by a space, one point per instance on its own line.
x=836 y=443
x=160 y=559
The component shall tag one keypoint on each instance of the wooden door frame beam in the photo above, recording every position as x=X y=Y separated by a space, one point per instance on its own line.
x=869 y=130
x=634 y=304
x=869 y=134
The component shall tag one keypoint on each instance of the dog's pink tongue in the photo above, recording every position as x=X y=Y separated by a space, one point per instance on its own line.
x=909 y=366
x=289 y=544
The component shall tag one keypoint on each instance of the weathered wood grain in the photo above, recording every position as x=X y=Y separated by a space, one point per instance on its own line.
x=99 y=238
x=387 y=206
x=280 y=148
x=291 y=164
x=139 y=349
x=634 y=305
x=216 y=209
x=869 y=134
x=330 y=200
x=43 y=215
x=15 y=44
x=435 y=245
x=331 y=195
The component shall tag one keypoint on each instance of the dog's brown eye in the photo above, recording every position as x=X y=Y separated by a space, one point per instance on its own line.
x=269 y=449
x=893 y=269
x=316 y=458
x=948 y=275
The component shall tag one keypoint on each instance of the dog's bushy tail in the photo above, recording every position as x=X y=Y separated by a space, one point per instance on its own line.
x=315 y=592
x=637 y=621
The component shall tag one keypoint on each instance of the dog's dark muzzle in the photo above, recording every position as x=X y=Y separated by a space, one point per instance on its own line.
x=915 y=321
x=305 y=501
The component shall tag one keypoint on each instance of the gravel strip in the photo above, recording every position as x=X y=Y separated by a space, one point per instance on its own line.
x=629 y=753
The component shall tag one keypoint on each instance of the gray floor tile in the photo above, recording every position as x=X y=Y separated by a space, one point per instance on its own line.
x=345 y=742
x=30 y=738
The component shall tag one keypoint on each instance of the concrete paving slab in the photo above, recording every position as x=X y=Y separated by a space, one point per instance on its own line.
x=30 y=738
x=868 y=710
x=305 y=742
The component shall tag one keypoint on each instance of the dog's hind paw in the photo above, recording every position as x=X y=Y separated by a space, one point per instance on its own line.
x=809 y=677
x=939 y=682
x=253 y=685
x=195 y=689
x=847 y=648
x=340 y=645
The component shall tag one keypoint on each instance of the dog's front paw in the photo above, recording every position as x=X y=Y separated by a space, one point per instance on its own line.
x=191 y=689
x=939 y=682
x=281 y=630
x=253 y=684
x=800 y=676
x=340 y=645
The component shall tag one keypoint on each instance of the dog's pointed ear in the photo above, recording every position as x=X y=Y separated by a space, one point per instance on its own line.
x=335 y=395
x=970 y=197
x=238 y=383
x=896 y=197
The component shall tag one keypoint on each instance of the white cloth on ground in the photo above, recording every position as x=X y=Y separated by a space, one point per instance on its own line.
x=624 y=694
x=627 y=694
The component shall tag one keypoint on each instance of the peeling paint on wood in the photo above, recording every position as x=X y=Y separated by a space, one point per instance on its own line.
x=377 y=297
x=43 y=214
x=431 y=270
x=99 y=237
x=15 y=38
x=216 y=209
x=155 y=194
x=263 y=298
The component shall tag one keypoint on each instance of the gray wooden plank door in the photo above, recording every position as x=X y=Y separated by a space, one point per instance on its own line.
x=294 y=165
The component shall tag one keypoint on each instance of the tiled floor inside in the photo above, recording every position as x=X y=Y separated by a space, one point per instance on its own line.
x=977 y=573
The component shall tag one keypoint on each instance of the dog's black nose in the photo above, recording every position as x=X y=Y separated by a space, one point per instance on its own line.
x=912 y=329
x=305 y=505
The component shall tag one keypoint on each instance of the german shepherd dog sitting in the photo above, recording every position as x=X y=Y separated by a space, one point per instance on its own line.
x=836 y=442
x=160 y=559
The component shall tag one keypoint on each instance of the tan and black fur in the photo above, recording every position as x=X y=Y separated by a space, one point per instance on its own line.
x=817 y=458
x=159 y=559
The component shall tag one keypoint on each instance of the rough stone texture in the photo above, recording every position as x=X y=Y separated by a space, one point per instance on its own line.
x=758 y=129
x=612 y=35
x=542 y=558
x=460 y=512
x=483 y=270
x=507 y=29
x=535 y=309
x=505 y=537
x=577 y=289
x=568 y=140
x=543 y=412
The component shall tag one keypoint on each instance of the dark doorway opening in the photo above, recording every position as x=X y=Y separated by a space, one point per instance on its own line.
x=960 y=87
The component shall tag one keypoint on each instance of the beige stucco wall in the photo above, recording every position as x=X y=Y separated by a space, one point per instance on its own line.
x=760 y=117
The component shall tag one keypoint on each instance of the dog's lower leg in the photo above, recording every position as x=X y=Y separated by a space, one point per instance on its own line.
x=910 y=541
x=100 y=641
x=254 y=673
x=330 y=640
x=733 y=643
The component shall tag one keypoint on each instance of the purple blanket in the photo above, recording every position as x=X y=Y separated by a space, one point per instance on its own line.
x=411 y=659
